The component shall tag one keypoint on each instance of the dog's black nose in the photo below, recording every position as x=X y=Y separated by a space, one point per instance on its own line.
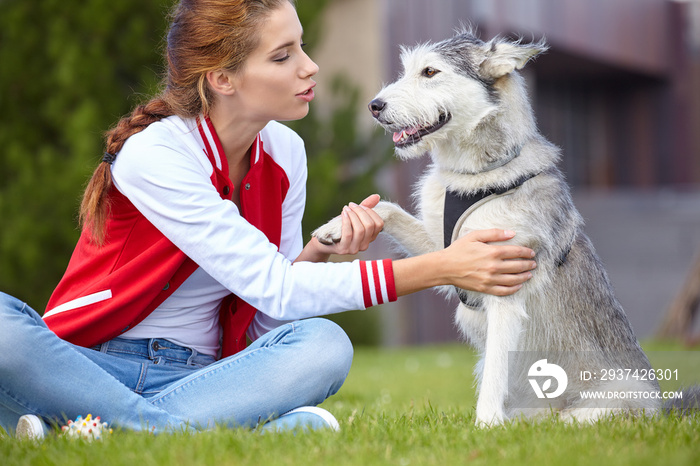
x=376 y=107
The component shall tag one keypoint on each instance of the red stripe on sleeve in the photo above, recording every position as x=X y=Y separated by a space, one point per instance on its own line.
x=365 y=285
x=377 y=283
x=389 y=277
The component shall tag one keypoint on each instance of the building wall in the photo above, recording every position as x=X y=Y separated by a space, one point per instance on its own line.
x=351 y=34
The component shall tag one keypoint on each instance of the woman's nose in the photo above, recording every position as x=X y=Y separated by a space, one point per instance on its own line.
x=310 y=67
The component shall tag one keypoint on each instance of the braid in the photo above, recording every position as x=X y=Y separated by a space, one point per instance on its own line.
x=140 y=118
x=94 y=208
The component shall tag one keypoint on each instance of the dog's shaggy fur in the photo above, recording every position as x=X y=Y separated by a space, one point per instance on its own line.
x=463 y=101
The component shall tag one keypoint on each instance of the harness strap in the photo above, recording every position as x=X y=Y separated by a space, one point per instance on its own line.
x=457 y=203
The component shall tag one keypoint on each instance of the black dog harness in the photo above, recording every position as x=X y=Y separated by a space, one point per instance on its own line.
x=456 y=204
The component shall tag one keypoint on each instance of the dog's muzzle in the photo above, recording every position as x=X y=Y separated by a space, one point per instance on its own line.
x=410 y=135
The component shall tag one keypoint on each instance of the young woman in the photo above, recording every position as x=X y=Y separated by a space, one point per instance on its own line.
x=191 y=243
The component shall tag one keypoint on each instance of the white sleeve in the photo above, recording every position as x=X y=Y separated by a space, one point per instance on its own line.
x=171 y=187
x=291 y=240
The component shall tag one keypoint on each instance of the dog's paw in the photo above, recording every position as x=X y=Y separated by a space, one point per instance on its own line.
x=330 y=232
x=488 y=423
x=489 y=418
x=587 y=415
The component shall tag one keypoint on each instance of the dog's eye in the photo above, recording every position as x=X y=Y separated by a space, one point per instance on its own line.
x=429 y=72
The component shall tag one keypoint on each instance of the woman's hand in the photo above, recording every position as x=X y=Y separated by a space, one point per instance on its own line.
x=360 y=226
x=494 y=269
x=469 y=263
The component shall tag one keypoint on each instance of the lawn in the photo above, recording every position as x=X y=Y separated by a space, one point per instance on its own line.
x=411 y=406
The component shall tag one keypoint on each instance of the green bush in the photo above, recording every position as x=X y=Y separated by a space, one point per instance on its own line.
x=69 y=71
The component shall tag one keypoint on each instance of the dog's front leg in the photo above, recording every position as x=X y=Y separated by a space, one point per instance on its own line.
x=505 y=322
x=408 y=231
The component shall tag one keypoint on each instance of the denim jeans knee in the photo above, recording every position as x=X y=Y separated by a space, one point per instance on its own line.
x=11 y=306
x=331 y=349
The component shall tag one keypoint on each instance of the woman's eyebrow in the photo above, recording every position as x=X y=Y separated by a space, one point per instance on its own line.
x=283 y=46
x=288 y=44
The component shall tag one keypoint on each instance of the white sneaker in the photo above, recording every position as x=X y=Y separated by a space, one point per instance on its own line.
x=30 y=427
x=306 y=417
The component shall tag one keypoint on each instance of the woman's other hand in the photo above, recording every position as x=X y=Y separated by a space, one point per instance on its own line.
x=489 y=268
x=360 y=225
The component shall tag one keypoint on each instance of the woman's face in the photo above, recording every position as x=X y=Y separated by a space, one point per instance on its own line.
x=275 y=82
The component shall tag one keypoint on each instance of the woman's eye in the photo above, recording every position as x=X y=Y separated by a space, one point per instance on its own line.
x=287 y=56
x=429 y=72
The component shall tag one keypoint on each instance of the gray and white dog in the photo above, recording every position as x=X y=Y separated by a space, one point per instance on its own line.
x=463 y=101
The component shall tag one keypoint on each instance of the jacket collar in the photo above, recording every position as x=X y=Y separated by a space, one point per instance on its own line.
x=215 y=151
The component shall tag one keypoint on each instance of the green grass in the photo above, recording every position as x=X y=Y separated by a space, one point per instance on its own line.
x=412 y=406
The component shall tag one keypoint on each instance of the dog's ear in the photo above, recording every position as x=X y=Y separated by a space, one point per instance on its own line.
x=502 y=57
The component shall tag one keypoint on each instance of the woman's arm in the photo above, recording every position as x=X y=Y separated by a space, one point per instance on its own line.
x=469 y=263
x=167 y=178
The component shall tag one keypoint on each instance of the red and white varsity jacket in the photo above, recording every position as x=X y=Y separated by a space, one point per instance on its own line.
x=171 y=213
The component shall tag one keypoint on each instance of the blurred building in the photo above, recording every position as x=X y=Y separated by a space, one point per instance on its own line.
x=619 y=92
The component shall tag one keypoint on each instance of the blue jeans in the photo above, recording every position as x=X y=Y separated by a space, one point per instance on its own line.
x=146 y=384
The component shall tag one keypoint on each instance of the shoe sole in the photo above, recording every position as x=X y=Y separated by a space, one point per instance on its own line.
x=30 y=427
x=320 y=412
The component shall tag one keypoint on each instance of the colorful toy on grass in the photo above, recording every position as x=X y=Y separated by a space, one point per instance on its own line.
x=88 y=428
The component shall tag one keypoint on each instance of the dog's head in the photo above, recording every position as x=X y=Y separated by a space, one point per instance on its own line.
x=446 y=89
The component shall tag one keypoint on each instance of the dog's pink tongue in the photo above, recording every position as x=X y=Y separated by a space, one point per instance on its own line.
x=406 y=132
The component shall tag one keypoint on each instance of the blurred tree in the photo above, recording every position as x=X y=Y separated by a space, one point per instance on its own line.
x=68 y=71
